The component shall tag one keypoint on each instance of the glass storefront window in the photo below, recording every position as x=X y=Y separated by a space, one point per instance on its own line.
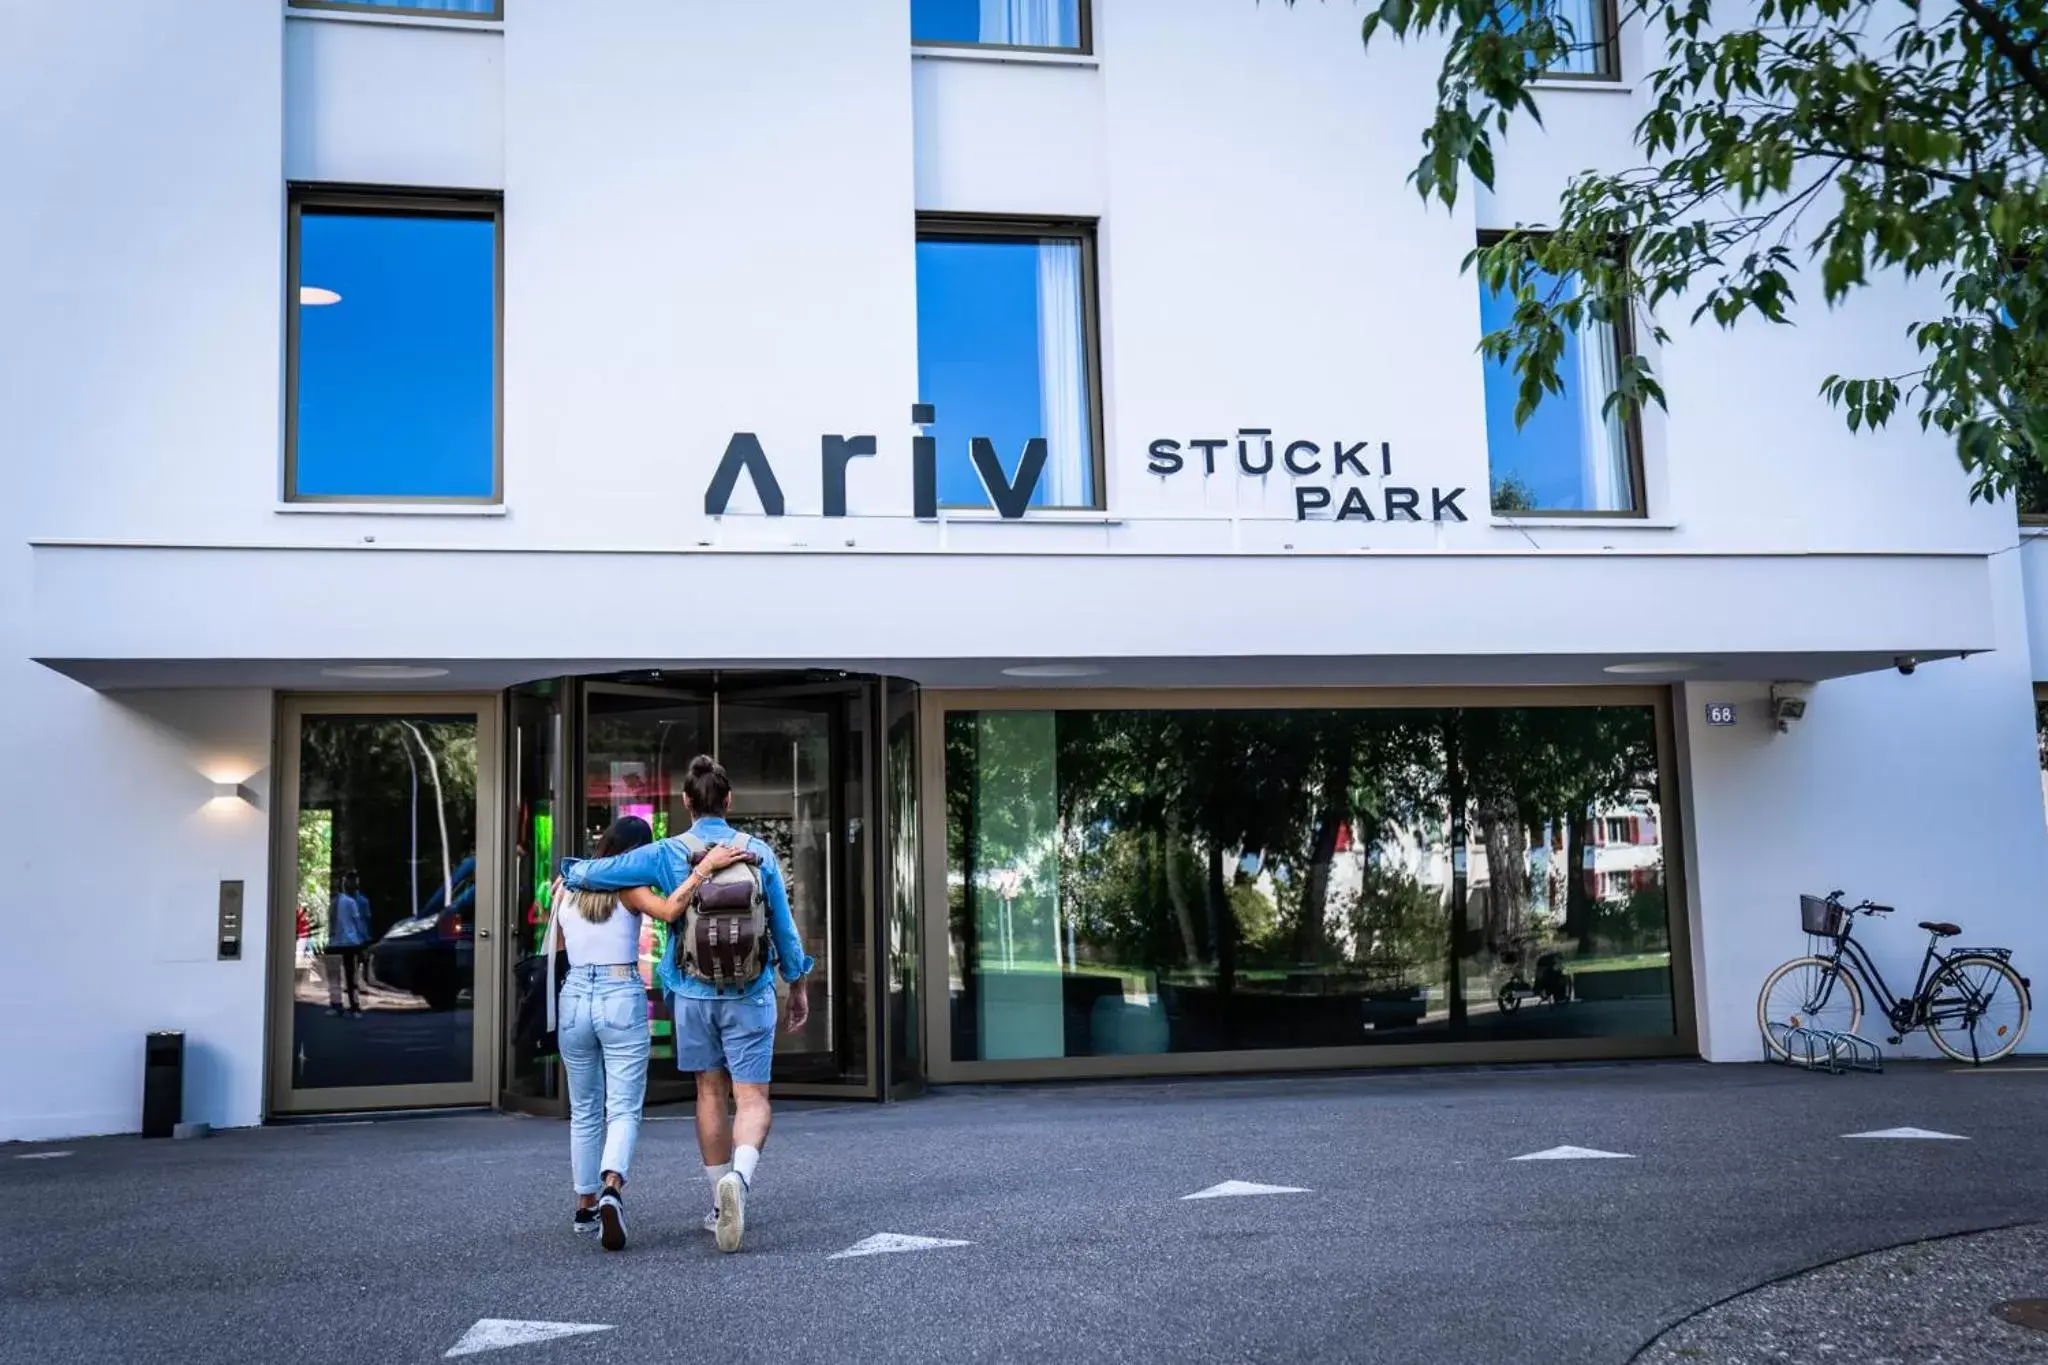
x=1136 y=882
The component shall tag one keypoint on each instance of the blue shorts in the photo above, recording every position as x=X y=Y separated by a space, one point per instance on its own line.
x=737 y=1036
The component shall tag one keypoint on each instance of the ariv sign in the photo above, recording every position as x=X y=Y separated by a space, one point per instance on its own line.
x=1258 y=455
x=1011 y=496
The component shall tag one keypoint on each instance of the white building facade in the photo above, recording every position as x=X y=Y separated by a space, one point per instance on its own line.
x=430 y=426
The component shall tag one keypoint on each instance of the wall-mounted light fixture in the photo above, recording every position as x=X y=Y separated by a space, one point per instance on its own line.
x=233 y=791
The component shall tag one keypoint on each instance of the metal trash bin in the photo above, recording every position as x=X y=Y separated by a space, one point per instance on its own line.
x=163 y=1084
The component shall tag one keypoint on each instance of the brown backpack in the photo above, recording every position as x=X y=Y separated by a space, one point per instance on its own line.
x=725 y=931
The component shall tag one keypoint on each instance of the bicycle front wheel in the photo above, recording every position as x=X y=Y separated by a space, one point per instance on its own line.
x=1977 y=1009
x=1808 y=992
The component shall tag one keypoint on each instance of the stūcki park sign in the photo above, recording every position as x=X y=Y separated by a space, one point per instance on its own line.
x=1324 y=475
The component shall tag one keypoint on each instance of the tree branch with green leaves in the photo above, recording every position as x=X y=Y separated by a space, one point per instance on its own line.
x=1858 y=141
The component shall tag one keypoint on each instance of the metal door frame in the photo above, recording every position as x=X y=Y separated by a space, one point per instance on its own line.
x=488 y=972
x=710 y=688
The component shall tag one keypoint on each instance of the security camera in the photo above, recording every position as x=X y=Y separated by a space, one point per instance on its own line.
x=1906 y=663
x=1788 y=703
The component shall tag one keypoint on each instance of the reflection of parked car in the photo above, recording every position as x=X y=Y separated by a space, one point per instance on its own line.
x=1390 y=999
x=1399 y=1007
x=433 y=954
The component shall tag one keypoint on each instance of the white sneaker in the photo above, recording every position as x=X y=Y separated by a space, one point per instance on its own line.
x=732 y=1212
x=711 y=1221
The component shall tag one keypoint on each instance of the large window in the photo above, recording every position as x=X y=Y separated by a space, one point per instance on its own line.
x=1006 y=355
x=453 y=9
x=393 y=351
x=1130 y=882
x=1574 y=454
x=1056 y=25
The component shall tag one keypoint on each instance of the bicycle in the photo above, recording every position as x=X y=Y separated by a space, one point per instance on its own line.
x=1552 y=984
x=1959 y=998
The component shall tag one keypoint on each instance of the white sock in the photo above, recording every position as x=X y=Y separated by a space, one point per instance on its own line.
x=714 y=1174
x=744 y=1159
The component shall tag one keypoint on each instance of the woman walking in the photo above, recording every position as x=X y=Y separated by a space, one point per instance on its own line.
x=603 y=1031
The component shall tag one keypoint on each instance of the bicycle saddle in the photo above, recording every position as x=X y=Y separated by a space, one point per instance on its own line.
x=1941 y=928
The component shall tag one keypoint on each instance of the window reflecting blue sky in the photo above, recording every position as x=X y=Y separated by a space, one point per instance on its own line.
x=397 y=380
x=978 y=359
x=1013 y=23
x=446 y=6
x=1546 y=458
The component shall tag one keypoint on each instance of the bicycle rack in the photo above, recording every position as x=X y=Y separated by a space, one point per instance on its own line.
x=1853 y=1052
x=1819 y=1049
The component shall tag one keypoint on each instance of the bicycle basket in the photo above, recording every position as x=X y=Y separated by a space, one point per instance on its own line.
x=1819 y=916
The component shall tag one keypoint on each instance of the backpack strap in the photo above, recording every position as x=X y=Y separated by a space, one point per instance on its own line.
x=697 y=847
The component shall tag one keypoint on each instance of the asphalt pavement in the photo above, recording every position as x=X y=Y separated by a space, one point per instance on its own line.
x=1415 y=1234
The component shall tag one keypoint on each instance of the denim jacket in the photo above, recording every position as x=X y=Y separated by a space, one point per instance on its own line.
x=665 y=865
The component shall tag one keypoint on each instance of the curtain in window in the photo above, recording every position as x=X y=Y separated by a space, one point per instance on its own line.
x=1608 y=486
x=1031 y=23
x=1587 y=22
x=1063 y=377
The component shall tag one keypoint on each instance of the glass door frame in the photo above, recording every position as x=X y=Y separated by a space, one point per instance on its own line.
x=863 y=927
x=568 y=778
x=487 y=952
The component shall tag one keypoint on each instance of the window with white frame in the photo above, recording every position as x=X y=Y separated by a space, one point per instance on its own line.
x=1043 y=25
x=1007 y=356
x=449 y=9
x=392 y=350
x=1575 y=454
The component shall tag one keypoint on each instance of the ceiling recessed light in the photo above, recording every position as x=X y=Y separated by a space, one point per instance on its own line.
x=385 y=672
x=313 y=296
x=1654 y=666
x=1054 y=671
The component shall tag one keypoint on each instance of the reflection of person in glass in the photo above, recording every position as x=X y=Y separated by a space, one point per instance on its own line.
x=348 y=934
x=725 y=1034
x=603 y=1031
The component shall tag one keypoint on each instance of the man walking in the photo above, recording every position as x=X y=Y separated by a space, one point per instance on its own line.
x=719 y=973
x=348 y=936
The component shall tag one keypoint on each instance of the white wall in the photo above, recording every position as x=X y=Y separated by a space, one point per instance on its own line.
x=1922 y=792
x=138 y=372
x=111 y=925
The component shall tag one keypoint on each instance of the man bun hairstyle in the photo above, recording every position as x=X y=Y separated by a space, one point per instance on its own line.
x=706 y=787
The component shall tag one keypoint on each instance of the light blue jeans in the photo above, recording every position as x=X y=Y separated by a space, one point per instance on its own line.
x=604 y=1042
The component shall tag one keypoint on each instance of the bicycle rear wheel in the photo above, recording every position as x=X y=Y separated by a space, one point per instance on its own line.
x=1809 y=992
x=1977 y=1009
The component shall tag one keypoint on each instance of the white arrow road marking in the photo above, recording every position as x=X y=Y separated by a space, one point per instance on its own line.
x=495 y=1334
x=1927 y=1133
x=40 y=1156
x=887 y=1243
x=1575 y=1154
x=1233 y=1189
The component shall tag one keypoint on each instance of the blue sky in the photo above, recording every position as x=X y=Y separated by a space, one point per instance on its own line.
x=959 y=21
x=396 y=381
x=1545 y=456
x=977 y=354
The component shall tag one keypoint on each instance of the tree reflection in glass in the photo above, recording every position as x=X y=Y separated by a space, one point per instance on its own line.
x=1142 y=881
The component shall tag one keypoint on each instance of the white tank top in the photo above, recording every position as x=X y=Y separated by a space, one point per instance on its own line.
x=587 y=944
